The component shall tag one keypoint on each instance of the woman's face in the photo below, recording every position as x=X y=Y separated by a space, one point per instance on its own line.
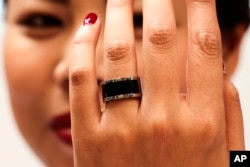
x=37 y=55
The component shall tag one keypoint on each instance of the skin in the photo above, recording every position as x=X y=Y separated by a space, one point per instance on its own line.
x=43 y=66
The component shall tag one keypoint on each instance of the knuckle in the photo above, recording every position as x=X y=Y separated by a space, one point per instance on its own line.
x=124 y=134
x=82 y=40
x=79 y=76
x=200 y=2
x=206 y=130
x=82 y=36
x=118 y=3
x=161 y=35
x=158 y=130
x=119 y=136
x=118 y=51
x=162 y=134
x=208 y=43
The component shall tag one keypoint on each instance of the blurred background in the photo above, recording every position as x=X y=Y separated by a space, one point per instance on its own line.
x=15 y=153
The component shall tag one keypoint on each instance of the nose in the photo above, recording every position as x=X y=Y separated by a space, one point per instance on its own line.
x=61 y=74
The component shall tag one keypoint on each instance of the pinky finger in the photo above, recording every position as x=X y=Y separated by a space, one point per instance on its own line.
x=234 y=119
x=84 y=97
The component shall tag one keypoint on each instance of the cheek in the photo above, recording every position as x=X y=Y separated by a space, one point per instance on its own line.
x=28 y=65
x=29 y=68
x=25 y=79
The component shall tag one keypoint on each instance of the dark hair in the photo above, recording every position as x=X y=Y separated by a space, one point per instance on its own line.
x=230 y=13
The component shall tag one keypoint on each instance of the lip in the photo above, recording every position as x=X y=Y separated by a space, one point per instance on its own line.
x=61 y=126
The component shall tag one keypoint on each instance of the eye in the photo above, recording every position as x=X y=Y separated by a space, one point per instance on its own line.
x=40 y=20
x=41 y=25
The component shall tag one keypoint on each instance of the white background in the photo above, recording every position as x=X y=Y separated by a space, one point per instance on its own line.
x=14 y=151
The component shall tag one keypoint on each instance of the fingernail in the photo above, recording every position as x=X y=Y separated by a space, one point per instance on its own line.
x=224 y=68
x=90 y=19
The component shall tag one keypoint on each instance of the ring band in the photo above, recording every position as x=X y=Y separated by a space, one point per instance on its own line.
x=121 y=88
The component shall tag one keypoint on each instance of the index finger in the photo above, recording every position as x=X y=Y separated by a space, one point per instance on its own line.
x=84 y=100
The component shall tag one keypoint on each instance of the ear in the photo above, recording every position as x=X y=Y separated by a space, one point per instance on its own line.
x=231 y=48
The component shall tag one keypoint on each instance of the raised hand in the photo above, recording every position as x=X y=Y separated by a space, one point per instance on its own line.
x=164 y=127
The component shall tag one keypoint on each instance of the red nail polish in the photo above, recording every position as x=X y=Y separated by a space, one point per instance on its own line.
x=90 y=19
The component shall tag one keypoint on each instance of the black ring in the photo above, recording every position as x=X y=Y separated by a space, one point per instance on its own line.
x=121 y=88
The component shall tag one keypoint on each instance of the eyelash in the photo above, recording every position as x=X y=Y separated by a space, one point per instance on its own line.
x=39 y=20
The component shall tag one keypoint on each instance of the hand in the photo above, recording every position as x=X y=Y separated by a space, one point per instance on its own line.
x=164 y=127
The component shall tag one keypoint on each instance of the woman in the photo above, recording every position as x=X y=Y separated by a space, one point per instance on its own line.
x=193 y=126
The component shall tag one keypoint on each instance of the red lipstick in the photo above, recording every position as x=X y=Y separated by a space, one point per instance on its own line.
x=61 y=126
